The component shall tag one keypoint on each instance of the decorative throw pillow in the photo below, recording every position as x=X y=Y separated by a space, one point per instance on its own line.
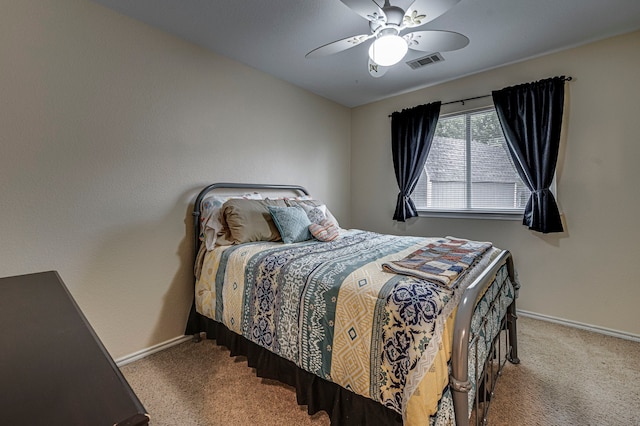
x=292 y=222
x=308 y=203
x=324 y=231
x=316 y=214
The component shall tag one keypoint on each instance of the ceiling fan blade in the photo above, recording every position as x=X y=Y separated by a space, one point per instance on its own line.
x=435 y=41
x=338 y=46
x=368 y=9
x=422 y=11
x=376 y=70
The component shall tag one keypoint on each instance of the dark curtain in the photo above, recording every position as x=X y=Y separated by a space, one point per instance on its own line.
x=412 y=132
x=531 y=119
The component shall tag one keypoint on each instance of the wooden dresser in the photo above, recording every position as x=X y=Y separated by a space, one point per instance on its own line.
x=53 y=368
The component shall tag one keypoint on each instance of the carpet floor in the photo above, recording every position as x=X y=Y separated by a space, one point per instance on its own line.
x=566 y=377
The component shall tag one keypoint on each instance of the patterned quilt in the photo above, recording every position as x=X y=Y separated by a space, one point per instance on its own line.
x=442 y=261
x=331 y=309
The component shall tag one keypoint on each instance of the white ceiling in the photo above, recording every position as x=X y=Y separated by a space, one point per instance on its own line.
x=274 y=37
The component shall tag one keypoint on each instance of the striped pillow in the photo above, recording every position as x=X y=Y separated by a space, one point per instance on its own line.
x=324 y=231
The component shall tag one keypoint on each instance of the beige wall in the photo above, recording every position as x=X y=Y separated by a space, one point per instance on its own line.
x=108 y=128
x=587 y=274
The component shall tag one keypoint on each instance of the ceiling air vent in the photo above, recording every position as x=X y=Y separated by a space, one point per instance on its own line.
x=425 y=60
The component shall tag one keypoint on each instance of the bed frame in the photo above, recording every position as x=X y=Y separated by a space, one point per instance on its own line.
x=319 y=394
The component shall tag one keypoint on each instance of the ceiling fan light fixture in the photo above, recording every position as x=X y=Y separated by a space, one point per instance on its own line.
x=388 y=49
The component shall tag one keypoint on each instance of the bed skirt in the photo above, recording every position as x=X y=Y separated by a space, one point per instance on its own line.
x=344 y=407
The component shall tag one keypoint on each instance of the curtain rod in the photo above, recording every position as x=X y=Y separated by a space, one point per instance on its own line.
x=462 y=101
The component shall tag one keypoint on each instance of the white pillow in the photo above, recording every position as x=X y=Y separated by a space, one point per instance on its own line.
x=311 y=207
x=316 y=214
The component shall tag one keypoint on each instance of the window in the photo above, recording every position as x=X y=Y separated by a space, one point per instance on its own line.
x=469 y=169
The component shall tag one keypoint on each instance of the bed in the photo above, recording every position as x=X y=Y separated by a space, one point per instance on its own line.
x=371 y=328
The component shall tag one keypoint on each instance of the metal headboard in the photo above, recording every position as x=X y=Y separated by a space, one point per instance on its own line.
x=231 y=185
x=194 y=321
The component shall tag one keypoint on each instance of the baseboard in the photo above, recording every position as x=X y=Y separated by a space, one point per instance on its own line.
x=180 y=339
x=151 y=350
x=588 y=327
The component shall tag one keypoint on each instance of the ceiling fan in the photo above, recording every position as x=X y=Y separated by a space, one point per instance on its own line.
x=386 y=23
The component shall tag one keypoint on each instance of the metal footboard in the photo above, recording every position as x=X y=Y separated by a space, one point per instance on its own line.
x=503 y=346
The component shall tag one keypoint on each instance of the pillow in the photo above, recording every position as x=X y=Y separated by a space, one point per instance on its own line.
x=309 y=203
x=245 y=221
x=292 y=222
x=210 y=224
x=324 y=231
x=316 y=214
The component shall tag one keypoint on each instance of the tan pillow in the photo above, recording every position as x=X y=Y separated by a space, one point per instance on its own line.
x=245 y=221
x=210 y=225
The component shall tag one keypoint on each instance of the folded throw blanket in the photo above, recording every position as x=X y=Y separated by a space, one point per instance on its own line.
x=441 y=262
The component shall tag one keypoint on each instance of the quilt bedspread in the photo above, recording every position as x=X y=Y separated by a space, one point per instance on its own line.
x=331 y=309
